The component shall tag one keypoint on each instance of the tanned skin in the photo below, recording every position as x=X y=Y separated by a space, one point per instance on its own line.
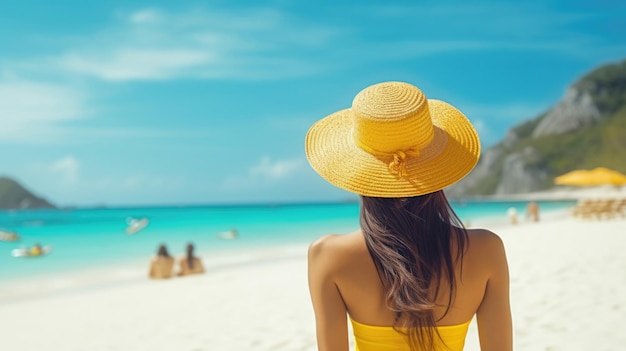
x=343 y=280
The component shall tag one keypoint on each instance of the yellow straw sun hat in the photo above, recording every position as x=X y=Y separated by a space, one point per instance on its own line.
x=393 y=142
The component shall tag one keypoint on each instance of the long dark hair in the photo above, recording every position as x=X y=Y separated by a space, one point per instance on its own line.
x=190 y=255
x=410 y=241
x=163 y=251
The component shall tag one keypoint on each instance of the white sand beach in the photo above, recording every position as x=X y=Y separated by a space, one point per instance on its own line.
x=568 y=292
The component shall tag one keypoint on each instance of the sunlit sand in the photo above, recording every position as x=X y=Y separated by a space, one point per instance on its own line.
x=567 y=293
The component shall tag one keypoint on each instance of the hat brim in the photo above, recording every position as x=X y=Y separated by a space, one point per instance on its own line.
x=452 y=154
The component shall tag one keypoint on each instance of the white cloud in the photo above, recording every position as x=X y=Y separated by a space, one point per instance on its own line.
x=267 y=174
x=154 y=45
x=145 y=16
x=132 y=181
x=68 y=168
x=279 y=169
x=46 y=113
x=489 y=119
x=265 y=43
x=32 y=111
x=37 y=102
x=133 y=64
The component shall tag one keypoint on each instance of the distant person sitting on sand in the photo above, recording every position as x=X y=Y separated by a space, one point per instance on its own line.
x=190 y=264
x=162 y=266
x=512 y=213
x=532 y=211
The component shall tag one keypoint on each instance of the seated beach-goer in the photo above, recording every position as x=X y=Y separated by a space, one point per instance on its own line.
x=411 y=277
x=532 y=211
x=512 y=213
x=162 y=265
x=190 y=264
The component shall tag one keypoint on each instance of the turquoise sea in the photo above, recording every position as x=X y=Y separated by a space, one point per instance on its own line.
x=86 y=238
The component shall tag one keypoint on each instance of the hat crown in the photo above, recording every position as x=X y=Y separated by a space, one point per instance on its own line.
x=390 y=117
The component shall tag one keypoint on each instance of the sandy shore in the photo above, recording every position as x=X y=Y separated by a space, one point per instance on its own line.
x=568 y=291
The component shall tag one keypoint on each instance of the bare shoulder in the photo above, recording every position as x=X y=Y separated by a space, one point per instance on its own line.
x=337 y=247
x=484 y=239
x=486 y=250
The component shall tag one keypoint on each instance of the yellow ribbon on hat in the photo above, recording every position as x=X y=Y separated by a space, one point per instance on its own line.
x=397 y=165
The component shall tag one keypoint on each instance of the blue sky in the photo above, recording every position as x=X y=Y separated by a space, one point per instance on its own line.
x=125 y=103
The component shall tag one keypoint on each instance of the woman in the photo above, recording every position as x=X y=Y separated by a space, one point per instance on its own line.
x=412 y=278
x=161 y=266
x=190 y=264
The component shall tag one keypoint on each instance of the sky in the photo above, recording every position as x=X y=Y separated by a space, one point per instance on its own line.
x=125 y=103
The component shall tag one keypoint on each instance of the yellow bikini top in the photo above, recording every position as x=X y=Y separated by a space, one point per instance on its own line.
x=373 y=338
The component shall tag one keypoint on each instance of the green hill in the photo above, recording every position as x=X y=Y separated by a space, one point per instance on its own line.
x=586 y=129
x=15 y=196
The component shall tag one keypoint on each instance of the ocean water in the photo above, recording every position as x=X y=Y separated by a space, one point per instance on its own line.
x=85 y=238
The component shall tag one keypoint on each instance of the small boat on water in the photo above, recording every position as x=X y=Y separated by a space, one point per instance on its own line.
x=32 y=251
x=135 y=225
x=9 y=236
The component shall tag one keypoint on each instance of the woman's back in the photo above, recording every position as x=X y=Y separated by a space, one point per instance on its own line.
x=346 y=261
x=161 y=267
x=411 y=268
x=196 y=266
